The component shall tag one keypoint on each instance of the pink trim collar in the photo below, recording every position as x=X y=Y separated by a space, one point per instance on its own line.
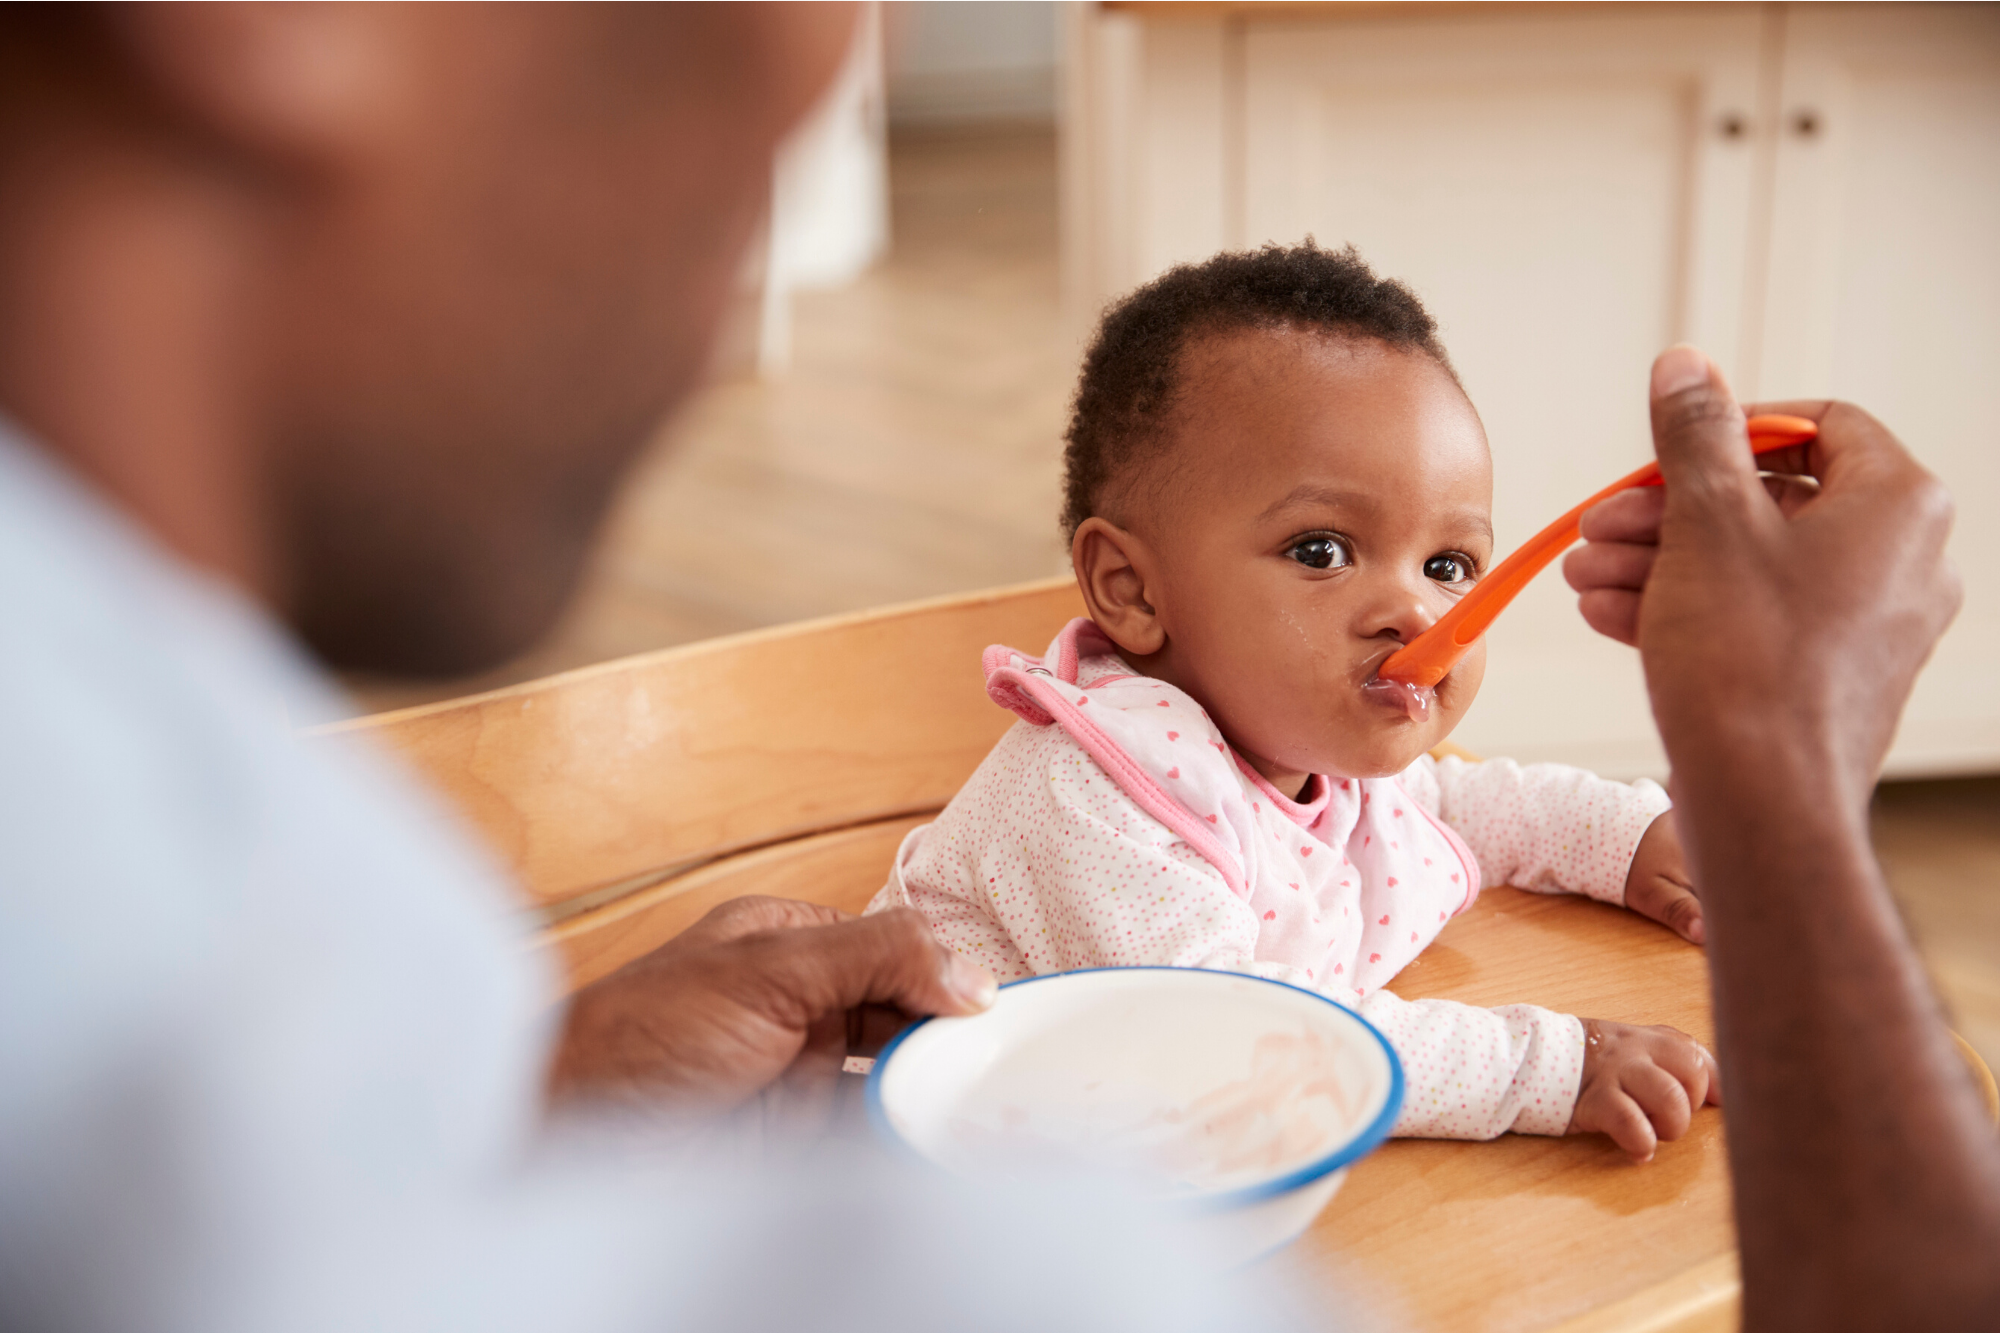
x=1303 y=813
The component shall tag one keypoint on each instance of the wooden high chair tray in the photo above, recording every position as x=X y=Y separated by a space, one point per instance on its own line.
x=1527 y=1232
x=629 y=797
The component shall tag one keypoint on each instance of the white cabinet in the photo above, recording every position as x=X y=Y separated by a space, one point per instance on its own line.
x=1884 y=288
x=1808 y=192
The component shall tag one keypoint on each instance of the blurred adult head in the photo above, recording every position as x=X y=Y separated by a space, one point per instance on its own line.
x=364 y=307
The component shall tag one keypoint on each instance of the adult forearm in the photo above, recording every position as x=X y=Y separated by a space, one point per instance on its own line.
x=1867 y=1177
x=1781 y=637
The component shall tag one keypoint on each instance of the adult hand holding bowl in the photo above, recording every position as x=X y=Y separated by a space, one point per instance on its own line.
x=1234 y=1102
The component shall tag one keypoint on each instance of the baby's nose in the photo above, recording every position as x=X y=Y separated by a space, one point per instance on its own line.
x=1402 y=612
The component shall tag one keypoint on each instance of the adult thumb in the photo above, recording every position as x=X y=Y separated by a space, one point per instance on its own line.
x=1698 y=430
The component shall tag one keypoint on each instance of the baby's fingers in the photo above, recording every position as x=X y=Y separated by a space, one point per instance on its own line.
x=1693 y=1066
x=1628 y=1125
x=1673 y=906
x=1668 y=1103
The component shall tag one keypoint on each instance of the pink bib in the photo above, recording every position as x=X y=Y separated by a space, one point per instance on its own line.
x=1349 y=883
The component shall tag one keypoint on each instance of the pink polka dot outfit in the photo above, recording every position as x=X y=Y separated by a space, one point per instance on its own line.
x=1113 y=826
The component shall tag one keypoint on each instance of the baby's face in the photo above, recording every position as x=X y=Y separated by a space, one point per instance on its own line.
x=1325 y=501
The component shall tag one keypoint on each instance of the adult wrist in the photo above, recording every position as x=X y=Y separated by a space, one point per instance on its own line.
x=1763 y=755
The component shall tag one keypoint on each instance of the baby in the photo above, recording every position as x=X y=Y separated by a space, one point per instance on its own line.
x=1274 y=481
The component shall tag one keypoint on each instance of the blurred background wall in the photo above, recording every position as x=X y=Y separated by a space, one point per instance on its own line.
x=1806 y=191
x=1810 y=191
x=973 y=62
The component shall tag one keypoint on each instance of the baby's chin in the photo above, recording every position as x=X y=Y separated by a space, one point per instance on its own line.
x=1389 y=747
x=1383 y=755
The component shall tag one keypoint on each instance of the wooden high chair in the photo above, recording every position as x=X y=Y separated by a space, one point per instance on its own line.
x=633 y=796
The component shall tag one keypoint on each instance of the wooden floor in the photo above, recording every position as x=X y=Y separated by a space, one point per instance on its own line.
x=914 y=449
x=1940 y=843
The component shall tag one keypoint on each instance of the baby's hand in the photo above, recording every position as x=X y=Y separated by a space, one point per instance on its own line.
x=1642 y=1084
x=1658 y=885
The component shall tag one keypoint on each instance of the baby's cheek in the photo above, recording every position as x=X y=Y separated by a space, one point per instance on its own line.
x=1457 y=690
x=1327 y=733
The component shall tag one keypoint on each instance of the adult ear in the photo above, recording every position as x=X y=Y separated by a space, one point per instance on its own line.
x=1113 y=568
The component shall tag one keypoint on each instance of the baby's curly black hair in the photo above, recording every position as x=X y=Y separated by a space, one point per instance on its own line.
x=1130 y=375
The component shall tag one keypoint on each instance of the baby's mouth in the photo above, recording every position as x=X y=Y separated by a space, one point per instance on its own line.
x=1413 y=701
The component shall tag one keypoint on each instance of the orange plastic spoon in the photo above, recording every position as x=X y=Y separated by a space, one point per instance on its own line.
x=1424 y=660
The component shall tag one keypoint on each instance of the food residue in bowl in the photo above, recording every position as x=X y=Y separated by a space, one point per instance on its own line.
x=1289 y=1109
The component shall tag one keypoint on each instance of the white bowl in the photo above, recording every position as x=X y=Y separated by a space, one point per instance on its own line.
x=1236 y=1102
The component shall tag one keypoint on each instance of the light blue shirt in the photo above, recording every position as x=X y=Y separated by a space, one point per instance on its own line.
x=272 y=1055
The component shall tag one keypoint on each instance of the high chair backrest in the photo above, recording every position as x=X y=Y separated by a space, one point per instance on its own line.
x=630 y=796
x=633 y=796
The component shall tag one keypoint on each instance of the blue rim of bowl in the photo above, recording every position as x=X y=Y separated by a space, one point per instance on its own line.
x=1353 y=1150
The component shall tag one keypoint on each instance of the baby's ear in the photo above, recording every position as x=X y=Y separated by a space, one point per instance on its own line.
x=1112 y=568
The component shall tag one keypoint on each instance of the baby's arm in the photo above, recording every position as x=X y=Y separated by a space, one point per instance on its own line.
x=1552 y=828
x=1042 y=863
x=1549 y=828
x=1471 y=1073
x=958 y=919
x=1478 y=1073
x=1075 y=874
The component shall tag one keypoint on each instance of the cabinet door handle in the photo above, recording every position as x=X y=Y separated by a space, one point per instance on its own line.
x=1806 y=123
x=1732 y=125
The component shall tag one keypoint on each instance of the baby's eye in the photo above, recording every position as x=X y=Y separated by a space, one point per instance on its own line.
x=1321 y=553
x=1448 y=568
